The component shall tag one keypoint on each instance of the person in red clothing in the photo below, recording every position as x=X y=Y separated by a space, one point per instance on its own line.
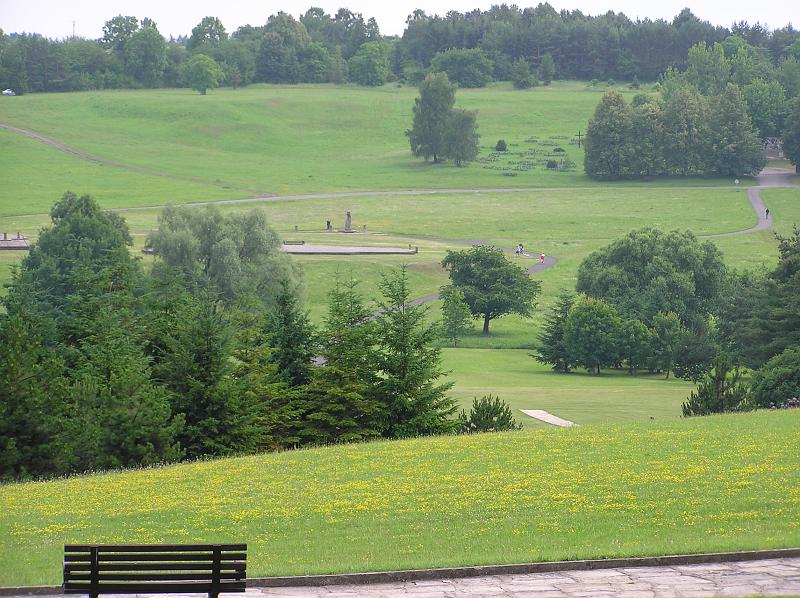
x=541 y=258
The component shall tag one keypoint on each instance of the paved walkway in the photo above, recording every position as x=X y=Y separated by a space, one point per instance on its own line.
x=346 y=250
x=547 y=417
x=777 y=577
x=768 y=578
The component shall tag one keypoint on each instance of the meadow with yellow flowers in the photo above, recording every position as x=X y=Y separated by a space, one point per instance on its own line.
x=691 y=485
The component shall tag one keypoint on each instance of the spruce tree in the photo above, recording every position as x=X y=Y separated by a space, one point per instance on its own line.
x=291 y=336
x=552 y=349
x=415 y=402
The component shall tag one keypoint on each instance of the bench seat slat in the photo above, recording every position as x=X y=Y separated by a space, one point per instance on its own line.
x=155 y=577
x=154 y=547
x=161 y=587
x=196 y=557
x=81 y=567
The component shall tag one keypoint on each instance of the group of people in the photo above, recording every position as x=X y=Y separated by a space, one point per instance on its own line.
x=520 y=250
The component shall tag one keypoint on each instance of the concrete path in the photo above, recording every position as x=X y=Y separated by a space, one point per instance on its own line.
x=549 y=418
x=767 y=578
x=762 y=221
x=777 y=577
x=346 y=250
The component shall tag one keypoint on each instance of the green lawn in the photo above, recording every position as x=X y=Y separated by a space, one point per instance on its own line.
x=33 y=176
x=595 y=491
x=524 y=383
x=267 y=139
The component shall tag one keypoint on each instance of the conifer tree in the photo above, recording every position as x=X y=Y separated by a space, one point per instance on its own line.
x=415 y=402
x=291 y=336
x=552 y=349
x=720 y=391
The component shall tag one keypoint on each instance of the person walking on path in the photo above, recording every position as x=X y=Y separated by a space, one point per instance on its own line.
x=541 y=258
x=767 y=214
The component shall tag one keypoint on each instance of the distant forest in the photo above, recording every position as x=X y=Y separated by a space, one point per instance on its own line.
x=484 y=45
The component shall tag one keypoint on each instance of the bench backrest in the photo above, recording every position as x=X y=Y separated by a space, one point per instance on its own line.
x=178 y=568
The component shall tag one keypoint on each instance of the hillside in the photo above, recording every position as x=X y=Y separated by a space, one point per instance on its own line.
x=715 y=483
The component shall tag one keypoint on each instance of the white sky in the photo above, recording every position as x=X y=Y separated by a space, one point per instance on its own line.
x=54 y=18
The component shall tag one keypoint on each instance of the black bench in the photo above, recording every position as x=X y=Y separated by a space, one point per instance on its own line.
x=294 y=242
x=155 y=569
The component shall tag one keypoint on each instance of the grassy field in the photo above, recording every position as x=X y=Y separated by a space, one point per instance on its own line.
x=567 y=224
x=705 y=484
x=276 y=140
x=524 y=383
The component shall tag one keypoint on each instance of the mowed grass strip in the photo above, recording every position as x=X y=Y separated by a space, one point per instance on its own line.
x=705 y=484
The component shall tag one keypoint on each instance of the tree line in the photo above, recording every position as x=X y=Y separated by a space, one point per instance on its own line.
x=502 y=43
x=316 y=48
x=106 y=363
x=665 y=302
x=710 y=118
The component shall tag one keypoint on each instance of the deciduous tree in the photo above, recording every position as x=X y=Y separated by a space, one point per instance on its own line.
x=431 y=116
x=592 y=334
x=203 y=73
x=461 y=137
x=493 y=286
x=456 y=315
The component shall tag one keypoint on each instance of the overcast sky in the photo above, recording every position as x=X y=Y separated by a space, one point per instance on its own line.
x=54 y=18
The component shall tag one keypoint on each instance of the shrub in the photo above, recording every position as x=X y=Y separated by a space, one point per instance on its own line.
x=778 y=380
x=488 y=414
x=552 y=164
x=501 y=145
x=611 y=82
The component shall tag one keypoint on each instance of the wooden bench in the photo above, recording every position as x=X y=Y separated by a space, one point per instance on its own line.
x=155 y=569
